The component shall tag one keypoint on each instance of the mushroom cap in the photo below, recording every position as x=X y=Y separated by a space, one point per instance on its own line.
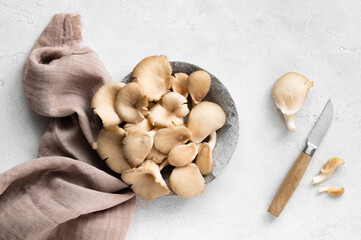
x=290 y=91
x=143 y=125
x=146 y=181
x=170 y=112
x=182 y=155
x=167 y=138
x=154 y=76
x=180 y=84
x=204 y=159
x=109 y=147
x=199 y=83
x=131 y=104
x=156 y=156
x=205 y=118
x=187 y=181
x=136 y=146
x=103 y=103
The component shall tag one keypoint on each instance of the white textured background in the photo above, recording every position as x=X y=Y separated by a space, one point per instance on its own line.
x=247 y=45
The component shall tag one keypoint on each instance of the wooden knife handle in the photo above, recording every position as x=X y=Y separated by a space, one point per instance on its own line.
x=289 y=184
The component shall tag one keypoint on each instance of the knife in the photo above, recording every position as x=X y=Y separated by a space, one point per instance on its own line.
x=296 y=172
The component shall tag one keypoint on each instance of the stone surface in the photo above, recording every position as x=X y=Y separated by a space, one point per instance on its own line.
x=247 y=45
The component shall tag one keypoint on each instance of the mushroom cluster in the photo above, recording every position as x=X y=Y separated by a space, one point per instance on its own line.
x=148 y=125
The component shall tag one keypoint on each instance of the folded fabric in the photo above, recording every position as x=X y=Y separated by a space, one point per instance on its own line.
x=68 y=192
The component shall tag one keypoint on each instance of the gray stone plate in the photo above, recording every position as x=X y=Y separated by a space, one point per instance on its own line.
x=227 y=136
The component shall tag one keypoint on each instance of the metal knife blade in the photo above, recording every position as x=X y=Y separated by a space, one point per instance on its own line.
x=319 y=130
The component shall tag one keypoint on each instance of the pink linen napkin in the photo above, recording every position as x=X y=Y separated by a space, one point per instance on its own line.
x=68 y=192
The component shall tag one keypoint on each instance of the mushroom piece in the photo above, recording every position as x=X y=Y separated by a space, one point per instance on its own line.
x=180 y=84
x=109 y=148
x=156 y=156
x=170 y=112
x=182 y=155
x=289 y=93
x=143 y=125
x=205 y=118
x=136 y=146
x=163 y=164
x=103 y=103
x=328 y=168
x=204 y=159
x=332 y=191
x=167 y=138
x=199 y=83
x=187 y=182
x=131 y=104
x=146 y=181
x=154 y=76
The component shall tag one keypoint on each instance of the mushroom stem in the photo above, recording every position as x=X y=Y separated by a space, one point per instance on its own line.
x=163 y=164
x=291 y=122
x=332 y=191
x=212 y=140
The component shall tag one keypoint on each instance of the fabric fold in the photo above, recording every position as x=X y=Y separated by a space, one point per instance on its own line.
x=68 y=192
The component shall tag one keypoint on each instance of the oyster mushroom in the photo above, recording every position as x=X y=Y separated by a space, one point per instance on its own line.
x=199 y=83
x=154 y=76
x=289 y=93
x=103 y=103
x=327 y=169
x=109 y=147
x=204 y=159
x=187 y=181
x=131 y=104
x=167 y=138
x=181 y=155
x=144 y=125
x=163 y=164
x=180 y=84
x=136 y=146
x=146 y=181
x=332 y=191
x=205 y=118
x=156 y=156
x=170 y=112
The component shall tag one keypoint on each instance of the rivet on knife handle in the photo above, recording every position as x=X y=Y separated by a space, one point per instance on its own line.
x=296 y=172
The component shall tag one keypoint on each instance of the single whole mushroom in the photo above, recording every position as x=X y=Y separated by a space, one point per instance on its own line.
x=204 y=159
x=103 y=103
x=170 y=112
x=182 y=155
x=109 y=147
x=136 y=146
x=180 y=84
x=167 y=138
x=205 y=118
x=187 y=181
x=154 y=76
x=146 y=180
x=327 y=169
x=131 y=104
x=199 y=83
x=289 y=93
